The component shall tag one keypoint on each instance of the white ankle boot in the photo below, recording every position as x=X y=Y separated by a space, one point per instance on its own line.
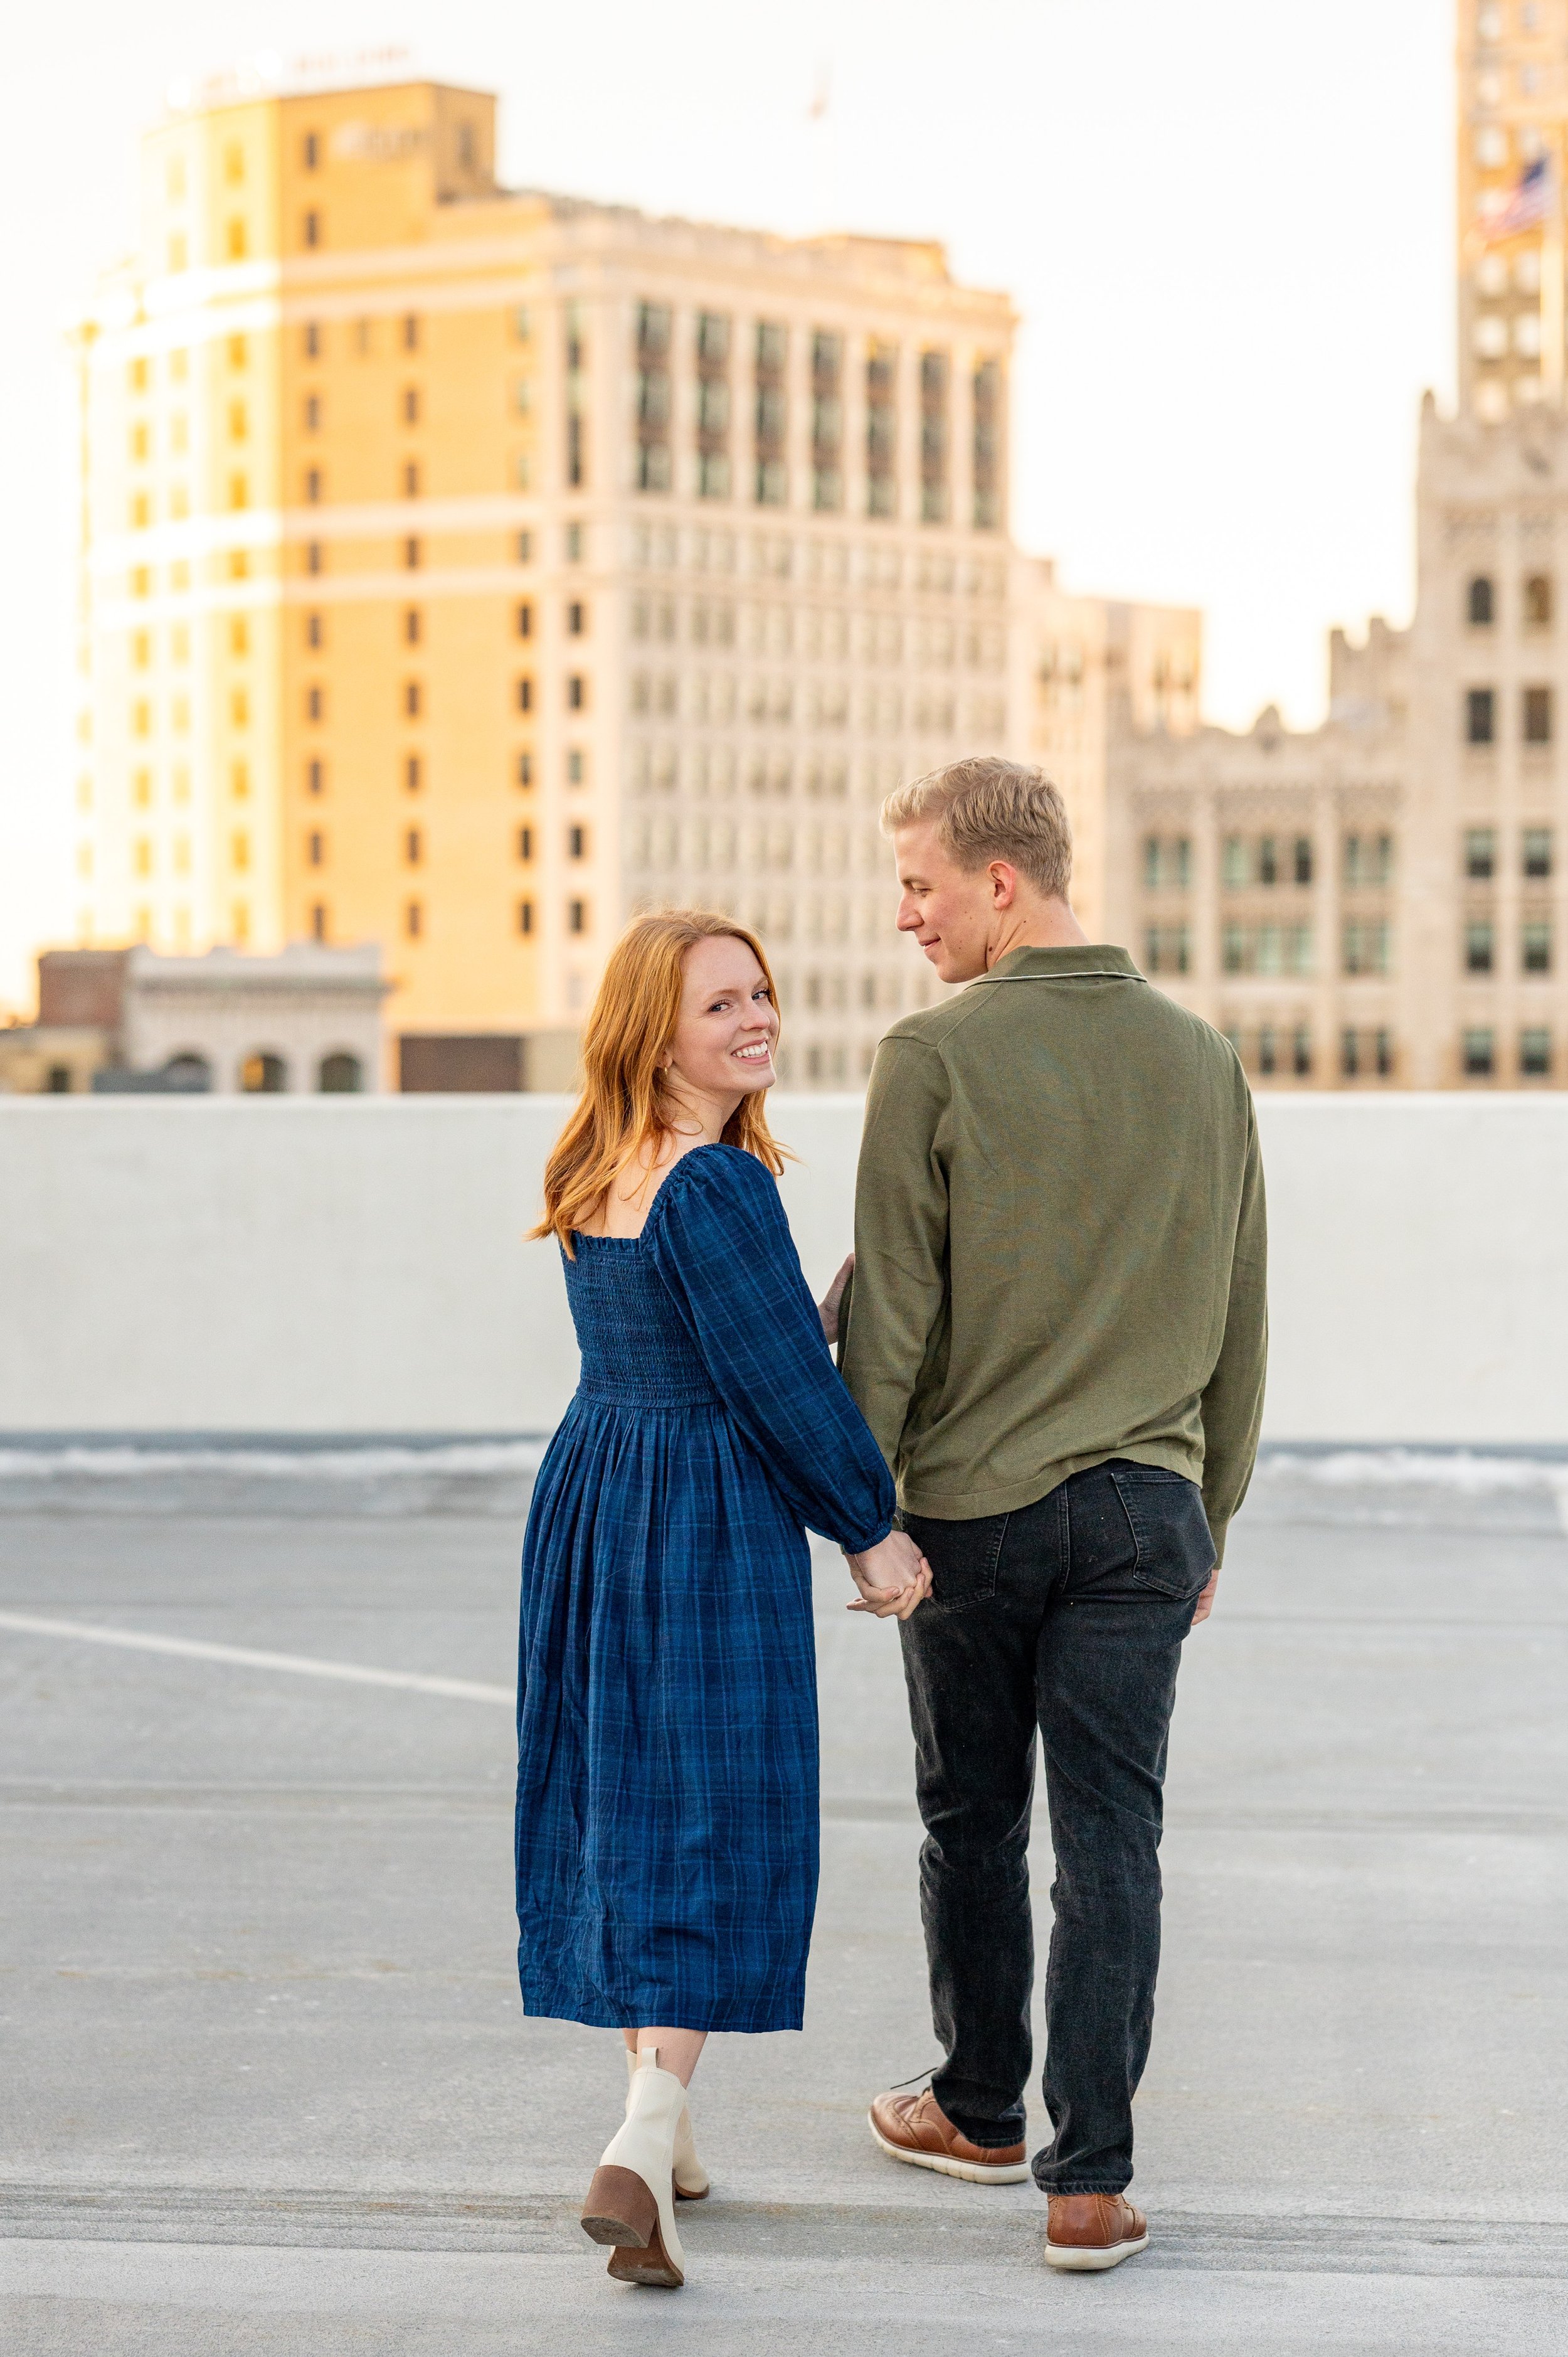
x=631 y=2201
x=692 y=2181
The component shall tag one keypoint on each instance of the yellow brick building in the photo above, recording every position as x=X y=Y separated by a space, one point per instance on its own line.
x=462 y=568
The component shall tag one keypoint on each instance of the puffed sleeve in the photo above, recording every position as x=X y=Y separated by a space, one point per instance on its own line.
x=721 y=1242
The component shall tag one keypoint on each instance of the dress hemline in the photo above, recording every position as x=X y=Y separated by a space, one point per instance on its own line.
x=594 y=2012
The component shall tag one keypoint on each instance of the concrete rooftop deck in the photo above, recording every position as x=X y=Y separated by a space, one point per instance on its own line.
x=268 y=2086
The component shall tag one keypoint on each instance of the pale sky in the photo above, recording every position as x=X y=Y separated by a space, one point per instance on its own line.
x=1227 y=226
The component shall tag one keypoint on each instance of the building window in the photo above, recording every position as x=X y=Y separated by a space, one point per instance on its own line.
x=314 y=778
x=263 y=1075
x=577 y=692
x=412 y=846
x=313 y=413
x=1235 y=866
x=1535 y=945
x=525 y=696
x=576 y=398
x=576 y=768
x=1301 y=1052
x=1538 y=716
x=653 y=465
x=1478 y=1055
x=525 y=842
x=412 y=920
x=311 y=149
x=413 y=775
x=1301 y=860
x=318 y=921
x=411 y=556
x=1478 y=945
x=1538 y=601
x=1268 y=860
x=1478 y=602
x=1480 y=854
x=314 y=631
x=1369 y=861
x=1167 y=948
x=1535 y=1055
x=312 y=486
x=576 y=843
x=770 y=414
x=313 y=559
x=1366 y=945
x=1349 y=1055
x=881 y=429
x=1268 y=1052
x=987 y=437
x=313 y=228
x=935 y=372
x=411 y=404
x=339 y=1075
x=576 y=620
x=411 y=333
x=312 y=340
x=315 y=702
x=713 y=405
x=525 y=916
x=576 y=916
x=412 y=700
x=314 y=850
x=1480 y=715
x=410 y=479
x=572 y=540
x=525 y=769
x=827 y=421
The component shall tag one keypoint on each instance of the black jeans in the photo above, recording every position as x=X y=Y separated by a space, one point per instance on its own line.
x=1068 y=1615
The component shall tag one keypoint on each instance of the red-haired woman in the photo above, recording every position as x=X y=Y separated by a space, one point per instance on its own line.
x=667 y=1722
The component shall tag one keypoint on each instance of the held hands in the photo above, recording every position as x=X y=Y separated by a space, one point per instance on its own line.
x=893 y=1576
x=827 y=1307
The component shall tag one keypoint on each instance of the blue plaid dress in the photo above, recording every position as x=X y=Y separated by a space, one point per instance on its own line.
x=667 y=1700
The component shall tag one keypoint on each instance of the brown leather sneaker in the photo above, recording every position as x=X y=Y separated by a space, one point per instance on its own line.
x=1093 y=2230
x=916 y=2128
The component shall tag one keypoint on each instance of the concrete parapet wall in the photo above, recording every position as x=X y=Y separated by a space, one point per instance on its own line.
x=358 y=1266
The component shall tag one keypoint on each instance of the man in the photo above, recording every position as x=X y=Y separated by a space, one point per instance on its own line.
x=1056 y=1332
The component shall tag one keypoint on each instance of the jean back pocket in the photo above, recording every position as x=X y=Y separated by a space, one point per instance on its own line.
x=964 y=1557
x=1170 y=1530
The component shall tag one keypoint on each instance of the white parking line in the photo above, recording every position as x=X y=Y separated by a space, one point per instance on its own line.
x=193 y=1649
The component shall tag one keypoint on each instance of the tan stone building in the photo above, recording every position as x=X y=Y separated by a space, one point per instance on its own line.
x=463 y=567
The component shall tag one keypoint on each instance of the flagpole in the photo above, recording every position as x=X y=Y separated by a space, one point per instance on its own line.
x=1551 y=267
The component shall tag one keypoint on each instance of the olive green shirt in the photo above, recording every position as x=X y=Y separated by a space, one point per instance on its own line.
x=1059 y=1242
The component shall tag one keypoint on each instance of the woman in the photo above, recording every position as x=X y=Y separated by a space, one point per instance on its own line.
x=666 y=1730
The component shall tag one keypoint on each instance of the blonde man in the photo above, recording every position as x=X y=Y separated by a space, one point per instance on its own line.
x=1056 y=1334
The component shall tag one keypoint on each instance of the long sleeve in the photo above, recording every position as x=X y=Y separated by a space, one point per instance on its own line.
x=722 y=1244
x=900 y=1237
x=1233 y=1397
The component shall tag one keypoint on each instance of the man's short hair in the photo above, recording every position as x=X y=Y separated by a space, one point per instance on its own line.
x=988 y=808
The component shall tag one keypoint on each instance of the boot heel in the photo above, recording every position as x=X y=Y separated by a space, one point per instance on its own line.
x=620 y=2210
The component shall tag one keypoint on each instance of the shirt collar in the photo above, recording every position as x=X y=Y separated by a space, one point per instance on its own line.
x=1098 y=957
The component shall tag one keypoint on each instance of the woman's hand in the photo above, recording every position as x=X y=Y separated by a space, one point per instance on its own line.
x=827 y=1307
x=893 y=1576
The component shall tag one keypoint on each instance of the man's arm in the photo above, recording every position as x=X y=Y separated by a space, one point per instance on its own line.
x=900 y=1237
x=1233 y=1400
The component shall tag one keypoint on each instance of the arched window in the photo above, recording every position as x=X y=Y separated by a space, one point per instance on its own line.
x=1538 y=601
x=1480 y=603
x=188 y=1070
x=340 y=1074
x=264 y=1074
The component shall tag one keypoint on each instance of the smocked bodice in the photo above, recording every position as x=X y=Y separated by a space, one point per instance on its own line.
x=637 y=1348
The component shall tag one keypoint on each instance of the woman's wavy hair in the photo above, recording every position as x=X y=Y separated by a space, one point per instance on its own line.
x=625 y=1104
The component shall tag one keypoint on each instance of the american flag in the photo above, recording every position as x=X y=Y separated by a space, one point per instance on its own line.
x=1524 y=207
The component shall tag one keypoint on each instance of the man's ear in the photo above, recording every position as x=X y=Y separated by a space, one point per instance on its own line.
x=1004 y=883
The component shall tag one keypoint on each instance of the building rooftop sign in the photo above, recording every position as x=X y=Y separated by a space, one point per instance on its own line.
x=268 y=74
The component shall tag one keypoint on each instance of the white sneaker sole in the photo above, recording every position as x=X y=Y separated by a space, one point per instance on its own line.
x=1011 y=2172
x=1090 y=2262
